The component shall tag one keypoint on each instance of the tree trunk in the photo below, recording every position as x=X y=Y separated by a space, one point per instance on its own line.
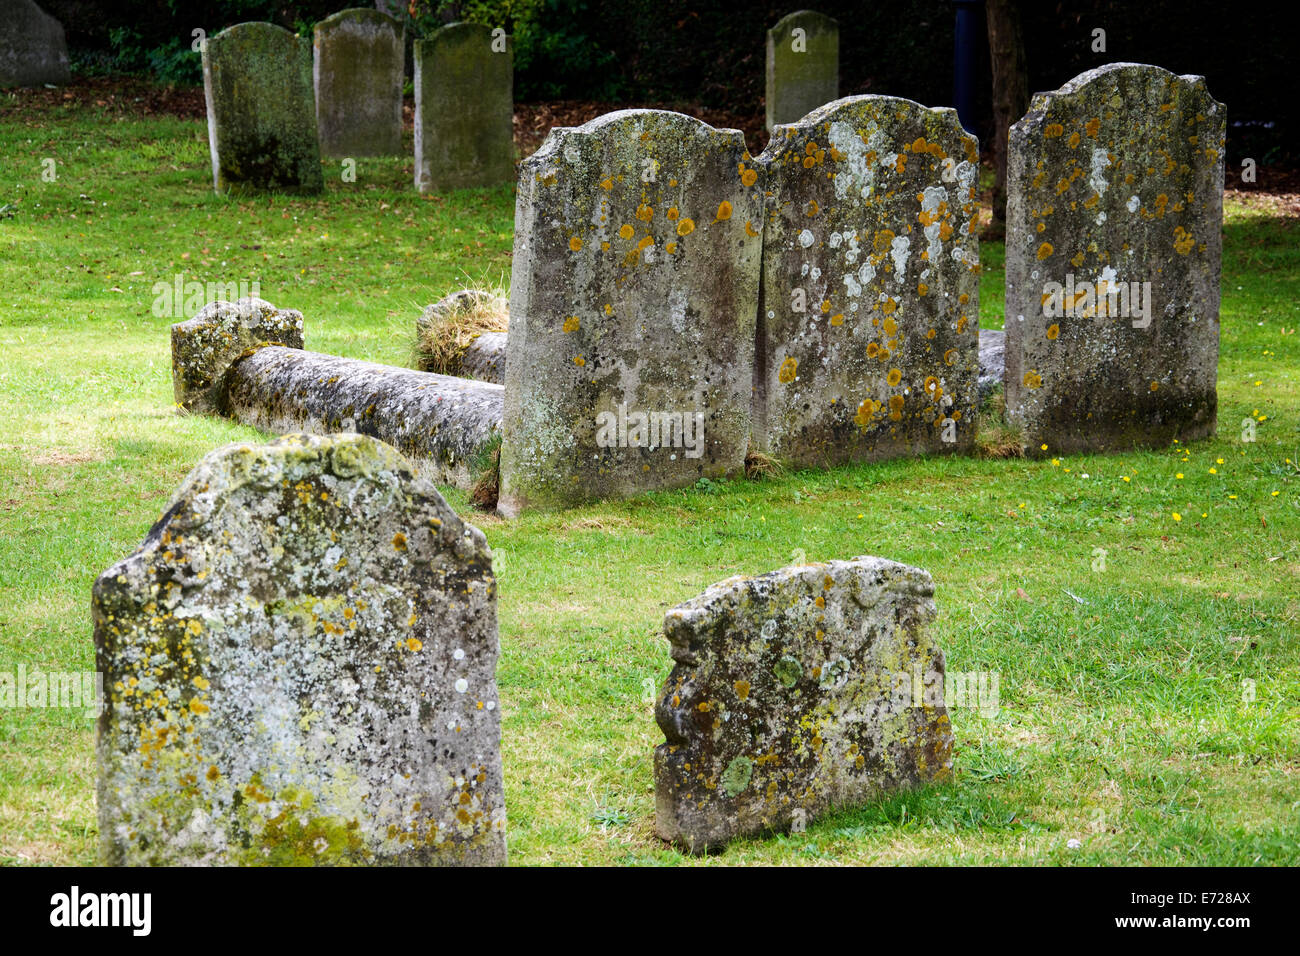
x=1010 y=95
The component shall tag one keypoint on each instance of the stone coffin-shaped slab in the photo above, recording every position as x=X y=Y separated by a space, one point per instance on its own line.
x=464 y=109
x=261 y=110
x=795 y=692
x=299 y=665
x=204 y=347
x=358 y=73
x=1114 y=181
x=803 y=66
x=33 y=51
x=869 y=323
x=632 y=303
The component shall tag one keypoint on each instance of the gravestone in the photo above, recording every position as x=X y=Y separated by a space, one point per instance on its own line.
x=204 y=347
x=464 y=108
x=358 y=76
x=261 y=111
x=632 y=304
x=796 y=692
x=868 y=341
x=803 y=66
x=300 y=670
x=1114 y=219
x=32 y=47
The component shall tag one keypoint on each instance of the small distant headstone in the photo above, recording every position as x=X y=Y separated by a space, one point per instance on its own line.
x=629 y=362
x=464 y=108
x=870 y=309
x=358 y=76
x=204 y=347
x=1114 y=226
x=32 y=48
x=803 y=66
x=261 y=110
x=299 y=666
x=811 y=688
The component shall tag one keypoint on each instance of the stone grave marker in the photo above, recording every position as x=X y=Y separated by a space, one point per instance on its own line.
x=358 y=75
x=803 y=66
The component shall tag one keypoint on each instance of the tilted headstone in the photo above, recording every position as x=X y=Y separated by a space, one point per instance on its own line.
x=1114 y=219
x=632 y=305
x=803 y=66
x=300 y=666
x=464 y=108
x=358 y=76
x=32 y=47
x=796 y=692
x=869 y=322
x=261 y=110
x=204 y=347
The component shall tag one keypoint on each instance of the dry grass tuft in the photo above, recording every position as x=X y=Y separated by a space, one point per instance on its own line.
x=447 y=327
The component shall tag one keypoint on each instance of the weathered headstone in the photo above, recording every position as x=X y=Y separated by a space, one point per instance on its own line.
x=464 y=108
x=810 y=688
x=1114 y=218
x=632 y=305
x=803 y=66
x=261 y=110
x=300 y=669
x=32 y=48
x=868 y=341
x=358 y=76
x=204 y=347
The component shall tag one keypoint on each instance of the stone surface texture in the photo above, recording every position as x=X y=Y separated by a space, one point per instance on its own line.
x=796 y=692
x=300 y=668
x=869 y=321
x=1114 y=180
x=204 y=347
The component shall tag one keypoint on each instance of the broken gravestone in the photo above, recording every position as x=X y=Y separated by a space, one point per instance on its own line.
x=796 y=692
x=204 y=347
x=261 y=110
x=32 y=47
x=632 y=304
x=358 y=75
x=300 y=669
x=1114 y=219
x=868 y=328
x=803 y=66
x=464 y=108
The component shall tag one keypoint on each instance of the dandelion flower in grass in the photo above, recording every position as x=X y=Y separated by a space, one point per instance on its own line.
x=1262 y=418
x=1219 y=461
x=1056 y=462
x=1232 y=496
x=1042 y=447
x=860 y=516
x=1214 y=471
x=1204 y=515
x=1177 y=516
x=1125 y=477
x=1276 y=493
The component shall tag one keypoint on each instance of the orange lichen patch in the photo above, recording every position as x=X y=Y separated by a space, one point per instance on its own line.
x=1183 y=241
x=575 y=243
x=961 y=323
x=949 y=356
x=932 y=388
x=645 y=241
x=749 y=229
x=670 y=247
x=1053 y=331
x=1076 y=260
x=894 y=377
x=607 y=184
x=399 y=542
x=1074 y=140
x=866 y=410
x=922 y=288
x=685 y=227
x=572 y=324
x=1032 y=379
x=820 y=601
x=604 y=247
x=929 y=333
x=900 y=164
x=644 y=213
x=963 y=299
x=1053 y=130
x=197 y=706
x=826 y=305
x=891 y=327
x=1155 y=386
x=837 y=318
x=1044 y=251
x=724 y=211
x=742 y=689
x=1092 y=127
x=872 y=349
x=672 y=212
x=881 y=243
x=786 y=374
x=748 y=176
x=625 y=231
x=579 y=361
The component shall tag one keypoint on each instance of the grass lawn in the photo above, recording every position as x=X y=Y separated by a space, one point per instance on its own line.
x=1127 y=719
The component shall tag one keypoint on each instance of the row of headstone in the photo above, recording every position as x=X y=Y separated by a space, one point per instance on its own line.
x=33 y=51
x=677 y=304
x=274 y=110
x=300 y=669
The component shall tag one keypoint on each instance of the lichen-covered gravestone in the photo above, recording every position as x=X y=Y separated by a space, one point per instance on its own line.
x=810 y=688
x=261 y=110
x=300 y=669
x=204 y=347
x=803 y=66
x=632 y=304
x=1114 y=218
x=32 y=47
x=868 y=345
x=358 y=74
x=464 y=108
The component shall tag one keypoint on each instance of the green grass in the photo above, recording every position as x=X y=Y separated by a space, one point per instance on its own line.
x=1123 y=722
